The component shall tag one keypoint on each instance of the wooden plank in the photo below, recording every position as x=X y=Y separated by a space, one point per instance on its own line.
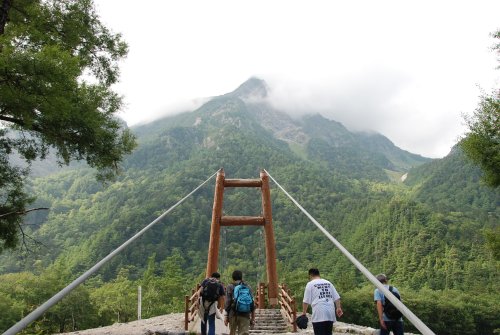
x=242 y=183
x=242 y=221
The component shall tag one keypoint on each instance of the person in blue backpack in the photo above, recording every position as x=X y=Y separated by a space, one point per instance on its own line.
x=389 y=317
x=239 y=306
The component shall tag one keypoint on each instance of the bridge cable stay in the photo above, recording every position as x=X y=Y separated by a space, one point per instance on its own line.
x=422 y=327
x=61 y=294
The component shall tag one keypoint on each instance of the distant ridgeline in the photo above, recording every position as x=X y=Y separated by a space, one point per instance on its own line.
x=433 y=234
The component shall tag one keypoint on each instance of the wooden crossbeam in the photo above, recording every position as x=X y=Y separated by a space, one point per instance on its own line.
x=242 y=183
x=242 y=221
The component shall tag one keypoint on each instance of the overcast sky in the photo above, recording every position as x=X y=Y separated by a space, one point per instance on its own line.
x=408 y=70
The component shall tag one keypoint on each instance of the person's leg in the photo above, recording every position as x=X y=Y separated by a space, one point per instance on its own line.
x=321 y=328
x=211 y=324
x=243 y=325
x=397 y=328
x=316 y=328
x=204 y=325
x=385 y=331
x=329 y=327
x=232 y=325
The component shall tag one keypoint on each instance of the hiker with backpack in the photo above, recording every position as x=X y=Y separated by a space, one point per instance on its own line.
x=211 y=290
x=390 y=318
x=325 y=302
x=239 y=306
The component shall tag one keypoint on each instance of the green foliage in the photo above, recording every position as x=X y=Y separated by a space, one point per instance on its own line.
x=117 y=300
x=46 y=49
x=482 y=143
x=493 y=241
x=445 y=312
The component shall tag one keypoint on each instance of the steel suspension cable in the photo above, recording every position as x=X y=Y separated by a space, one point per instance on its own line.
x=61 y=294
x=406 y=312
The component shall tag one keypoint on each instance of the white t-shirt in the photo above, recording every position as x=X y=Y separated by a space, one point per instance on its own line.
x=321 y=295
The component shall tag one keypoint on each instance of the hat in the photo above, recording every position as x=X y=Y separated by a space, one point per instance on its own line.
x=302 y=321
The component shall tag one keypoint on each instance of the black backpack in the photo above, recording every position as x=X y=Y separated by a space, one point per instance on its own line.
x=389 y=309
x=211 y=290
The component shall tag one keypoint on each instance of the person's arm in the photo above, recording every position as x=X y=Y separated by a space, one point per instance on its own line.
x=252 y=315
x=202 y=285
x=380 y=311
x=227 y=303
x=221 y=301
x=307 y=299
x=338 y=308
x=304 y=308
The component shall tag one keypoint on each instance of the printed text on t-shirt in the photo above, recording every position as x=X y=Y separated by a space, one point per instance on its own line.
x=324 y=290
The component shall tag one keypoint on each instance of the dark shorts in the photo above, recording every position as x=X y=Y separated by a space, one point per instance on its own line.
x=323 y=328
x=395 y=326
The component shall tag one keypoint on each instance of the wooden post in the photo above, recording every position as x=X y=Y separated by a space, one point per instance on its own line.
x=213 y=247
x=272 y=275
x=262 y=296
x=186 y=312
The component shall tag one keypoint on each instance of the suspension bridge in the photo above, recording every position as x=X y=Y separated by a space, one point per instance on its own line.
x=270 y=296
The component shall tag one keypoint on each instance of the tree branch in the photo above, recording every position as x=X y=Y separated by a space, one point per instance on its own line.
x=25 y=237
x=23 y=212
x=19 y=122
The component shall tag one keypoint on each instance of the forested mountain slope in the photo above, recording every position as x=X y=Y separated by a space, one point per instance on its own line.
x=426 y=234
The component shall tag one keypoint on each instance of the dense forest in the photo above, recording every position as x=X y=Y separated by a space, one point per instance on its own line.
x=428 y=233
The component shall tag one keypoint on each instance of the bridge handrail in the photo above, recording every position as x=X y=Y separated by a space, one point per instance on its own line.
x=288 y=305
x=405 y=310
x=61 y=294
x=191 y=306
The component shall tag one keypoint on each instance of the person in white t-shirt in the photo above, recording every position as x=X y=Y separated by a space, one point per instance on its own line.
x=325 y=302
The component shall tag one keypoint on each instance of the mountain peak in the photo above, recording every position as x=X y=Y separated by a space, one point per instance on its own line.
x=252 y=89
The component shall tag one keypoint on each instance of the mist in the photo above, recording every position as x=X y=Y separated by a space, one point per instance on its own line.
x=377 y=100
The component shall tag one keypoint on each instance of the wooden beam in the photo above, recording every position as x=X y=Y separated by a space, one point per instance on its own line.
x=272 y=273
x=242 y=183
x=242 y=221
x=213 y=247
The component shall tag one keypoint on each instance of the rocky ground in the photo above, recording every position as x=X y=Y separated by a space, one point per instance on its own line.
x=173 y=324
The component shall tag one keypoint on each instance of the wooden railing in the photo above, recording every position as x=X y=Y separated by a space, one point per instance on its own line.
x=288 y=305
x=192 y=304
x=260 y=296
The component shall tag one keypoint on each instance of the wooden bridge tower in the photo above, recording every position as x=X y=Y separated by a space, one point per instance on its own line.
x=266 y=220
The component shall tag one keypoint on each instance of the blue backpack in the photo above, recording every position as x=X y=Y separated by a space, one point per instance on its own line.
x=243 y=300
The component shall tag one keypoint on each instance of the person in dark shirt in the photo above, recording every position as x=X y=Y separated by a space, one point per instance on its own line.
x=208 y=307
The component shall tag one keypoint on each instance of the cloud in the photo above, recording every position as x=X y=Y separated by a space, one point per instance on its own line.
x=420 y=120
x=406 y=70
